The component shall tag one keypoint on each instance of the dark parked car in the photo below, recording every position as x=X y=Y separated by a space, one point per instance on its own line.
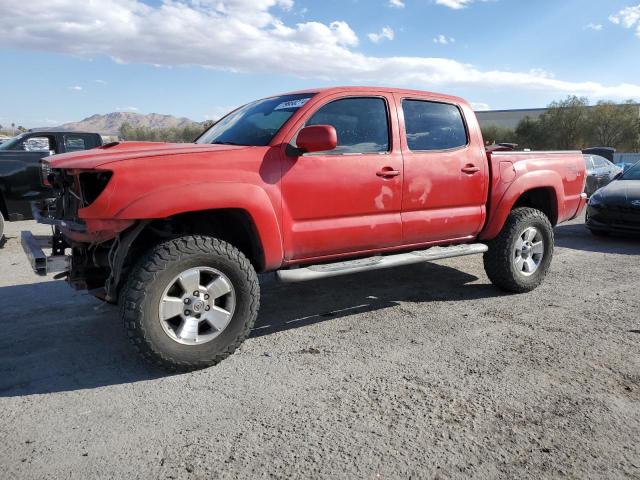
x=21 y=180
x=606 y=152
x=616 y=207
x=600 y=172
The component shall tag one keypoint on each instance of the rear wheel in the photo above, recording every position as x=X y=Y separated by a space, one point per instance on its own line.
x=190 y=302
x=519 y=257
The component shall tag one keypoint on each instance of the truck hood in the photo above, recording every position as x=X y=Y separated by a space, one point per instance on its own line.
x=94 y=158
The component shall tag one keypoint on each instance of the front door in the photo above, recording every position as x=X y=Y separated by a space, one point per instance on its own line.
x=346 y=200
x=446 y=180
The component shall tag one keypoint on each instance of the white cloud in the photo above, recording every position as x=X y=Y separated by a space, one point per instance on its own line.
x=396 y=3
x=454 y=4
x=480 y=106
x=101 y=82
x=444 y=40
x=127 y=109
x=385 y=33
x=628 y=17
x=593 y=26
x=76 y=88
x=247 y=36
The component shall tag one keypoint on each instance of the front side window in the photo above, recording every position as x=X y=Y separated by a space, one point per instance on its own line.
x=37 y=144
x=256 y=123
x=362 y=124
x=433 y=126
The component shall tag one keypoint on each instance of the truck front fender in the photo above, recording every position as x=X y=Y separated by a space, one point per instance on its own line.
x=505 y=196
x=194 y=197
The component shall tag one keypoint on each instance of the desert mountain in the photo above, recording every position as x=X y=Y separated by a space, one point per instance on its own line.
x=110 y=123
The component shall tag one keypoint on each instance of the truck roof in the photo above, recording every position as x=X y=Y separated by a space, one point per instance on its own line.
x=373 y=89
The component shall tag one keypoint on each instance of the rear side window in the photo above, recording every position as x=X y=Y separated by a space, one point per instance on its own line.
x=75 y=143
x=433 y=126
x=361 y=124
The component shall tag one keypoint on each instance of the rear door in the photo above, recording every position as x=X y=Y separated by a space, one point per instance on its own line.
x=446 y=178
x=346 y=200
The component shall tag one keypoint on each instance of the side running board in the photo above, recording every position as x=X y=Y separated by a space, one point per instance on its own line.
x=314 y=272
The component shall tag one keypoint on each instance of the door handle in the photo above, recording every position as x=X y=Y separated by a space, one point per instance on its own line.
x=387 y=172
x=470 y=169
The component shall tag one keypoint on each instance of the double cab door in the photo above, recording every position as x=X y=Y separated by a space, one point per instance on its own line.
x=382 y=189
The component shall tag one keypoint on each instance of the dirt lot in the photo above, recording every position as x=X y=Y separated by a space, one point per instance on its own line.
x=423 y=372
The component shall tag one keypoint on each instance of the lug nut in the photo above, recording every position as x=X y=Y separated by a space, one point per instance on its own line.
x=187 y=312
x=207 y=308
x=187 y=301
x=206 y=297
x=196 y=294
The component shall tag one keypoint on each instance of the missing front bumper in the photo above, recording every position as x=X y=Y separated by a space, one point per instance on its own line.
x=42 y=263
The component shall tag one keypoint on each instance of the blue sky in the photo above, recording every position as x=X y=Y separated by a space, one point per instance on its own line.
x=200 y=58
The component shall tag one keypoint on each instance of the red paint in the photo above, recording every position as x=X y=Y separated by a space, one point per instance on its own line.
x=317 y=138
x=311 y=207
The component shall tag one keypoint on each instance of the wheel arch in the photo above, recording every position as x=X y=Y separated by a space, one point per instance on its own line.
x=542 y=190
x=241 y=207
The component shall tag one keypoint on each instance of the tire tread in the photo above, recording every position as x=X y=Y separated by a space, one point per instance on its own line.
x=156 y=261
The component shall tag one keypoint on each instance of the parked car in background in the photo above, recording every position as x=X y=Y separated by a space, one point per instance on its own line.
x=308 y=185
x=616 y=207
x=21 y=179
x=600 y=172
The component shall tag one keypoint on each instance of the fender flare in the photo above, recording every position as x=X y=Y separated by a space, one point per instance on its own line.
x=528 y=181
x=201 y=196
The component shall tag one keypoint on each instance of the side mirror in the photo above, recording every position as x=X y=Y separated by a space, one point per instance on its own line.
x=317 y=138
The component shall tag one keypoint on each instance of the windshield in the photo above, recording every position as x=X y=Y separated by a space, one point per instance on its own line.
x=632 y=174
x=12 y=143
x=256 y=123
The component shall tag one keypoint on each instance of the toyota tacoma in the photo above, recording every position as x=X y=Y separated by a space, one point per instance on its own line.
x=308 y=185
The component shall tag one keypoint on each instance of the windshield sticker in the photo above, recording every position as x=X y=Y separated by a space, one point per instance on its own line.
x=292 y=104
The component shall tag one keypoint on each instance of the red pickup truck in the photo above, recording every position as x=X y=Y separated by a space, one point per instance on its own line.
x=308 y=185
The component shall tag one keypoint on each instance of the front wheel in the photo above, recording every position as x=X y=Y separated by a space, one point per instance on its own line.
x=519 y=257
x=190 y=302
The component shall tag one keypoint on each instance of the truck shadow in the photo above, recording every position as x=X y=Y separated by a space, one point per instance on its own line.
x=57 y=340
x=577 y=237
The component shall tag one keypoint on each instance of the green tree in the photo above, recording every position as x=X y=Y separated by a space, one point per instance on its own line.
x=529 y=134
x=495 y=134
x=564 y=124
x=613 y=125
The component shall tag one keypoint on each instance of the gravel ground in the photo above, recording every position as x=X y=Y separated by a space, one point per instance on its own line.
x=424 y=372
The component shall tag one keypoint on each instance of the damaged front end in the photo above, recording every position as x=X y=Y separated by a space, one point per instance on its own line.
x=89 y=252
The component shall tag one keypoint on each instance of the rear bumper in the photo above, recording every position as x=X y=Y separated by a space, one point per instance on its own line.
x=41 y=263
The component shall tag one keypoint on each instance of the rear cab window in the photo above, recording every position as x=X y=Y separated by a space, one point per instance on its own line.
x=361 y=123
x=433 y=126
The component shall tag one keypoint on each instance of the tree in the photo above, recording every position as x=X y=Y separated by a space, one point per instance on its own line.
x=565 y=122
x=613 y=125
x=529 y=134
x=496 y=134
